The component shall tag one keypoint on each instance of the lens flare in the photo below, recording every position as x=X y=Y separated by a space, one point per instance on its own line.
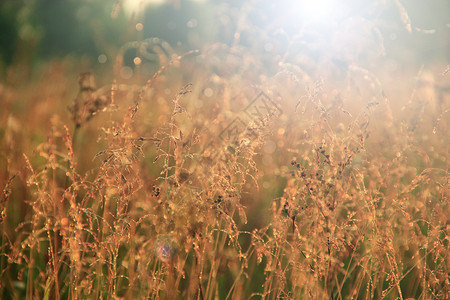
x=166 y=248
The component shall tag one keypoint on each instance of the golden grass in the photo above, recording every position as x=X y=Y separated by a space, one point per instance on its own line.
x=175 y=188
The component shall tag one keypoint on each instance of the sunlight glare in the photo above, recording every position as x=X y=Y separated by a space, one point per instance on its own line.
x=321 y=11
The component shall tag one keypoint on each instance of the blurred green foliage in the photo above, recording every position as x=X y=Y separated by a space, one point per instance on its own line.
x=87 y=27
x=8 y=32
x=52 y=28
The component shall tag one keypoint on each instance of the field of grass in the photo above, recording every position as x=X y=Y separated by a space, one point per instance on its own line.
x=268 y=162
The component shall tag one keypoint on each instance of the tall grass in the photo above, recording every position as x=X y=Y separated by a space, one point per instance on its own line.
x=173 y=187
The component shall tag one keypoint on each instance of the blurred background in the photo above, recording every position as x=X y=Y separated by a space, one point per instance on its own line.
x=412 y=31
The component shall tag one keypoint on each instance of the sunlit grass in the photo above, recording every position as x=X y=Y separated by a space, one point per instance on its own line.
x=253 y=168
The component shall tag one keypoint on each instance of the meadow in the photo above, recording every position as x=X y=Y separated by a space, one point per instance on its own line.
x=259 y=161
